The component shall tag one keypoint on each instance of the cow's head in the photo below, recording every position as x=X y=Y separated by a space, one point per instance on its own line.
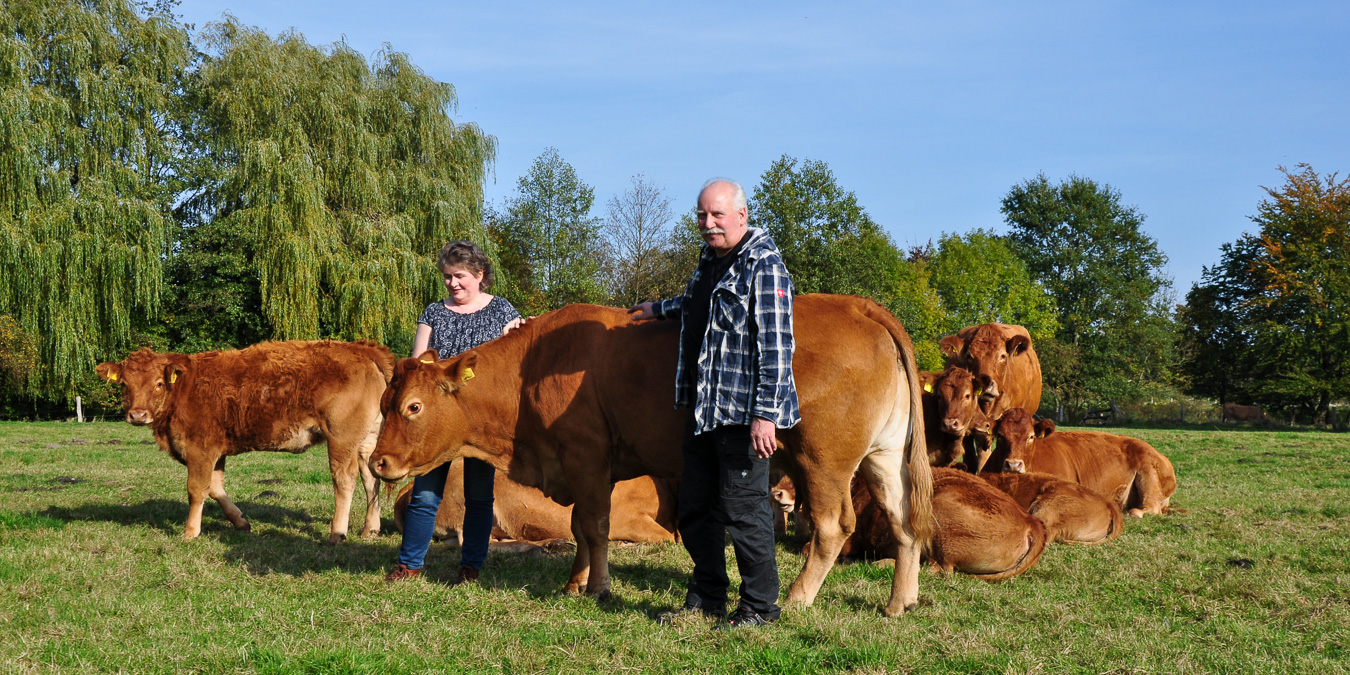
x=148 y=379
x=987 y=354
x=784 y=495
x=1014 y=436
x=424 y=423
x=958 y=393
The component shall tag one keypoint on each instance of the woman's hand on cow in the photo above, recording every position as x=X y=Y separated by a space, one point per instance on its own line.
x=642 y=311
x=513 y=324
x=762 y=437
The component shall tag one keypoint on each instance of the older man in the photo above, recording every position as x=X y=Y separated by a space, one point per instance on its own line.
x=735 y=371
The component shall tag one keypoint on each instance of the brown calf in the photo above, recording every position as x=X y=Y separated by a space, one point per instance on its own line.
x=1072 y=514
x=282 y=396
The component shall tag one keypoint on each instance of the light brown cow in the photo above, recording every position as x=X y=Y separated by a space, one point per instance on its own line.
x=1072 y=513
x=643 y=510
x=582 y=397
x=1002 y=357
x=977 y=529
x=1125 y=470
x=282 y=396
x=951 y=413
x=1242 y=413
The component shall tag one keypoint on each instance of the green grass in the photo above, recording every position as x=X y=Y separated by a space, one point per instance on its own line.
x=1253 y=576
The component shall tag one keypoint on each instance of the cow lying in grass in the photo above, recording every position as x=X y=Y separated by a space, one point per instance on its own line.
x=283 y=396
x=977 y=530
x=1072 y=513
x=643 y=511
x=1125 y=470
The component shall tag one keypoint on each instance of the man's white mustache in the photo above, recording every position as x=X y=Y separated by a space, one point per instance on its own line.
x=714 y=230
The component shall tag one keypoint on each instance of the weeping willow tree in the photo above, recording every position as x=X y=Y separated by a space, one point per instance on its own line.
x=87 y=89
x=345 y=177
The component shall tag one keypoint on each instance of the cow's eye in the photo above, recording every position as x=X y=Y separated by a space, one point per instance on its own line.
x=414 y=408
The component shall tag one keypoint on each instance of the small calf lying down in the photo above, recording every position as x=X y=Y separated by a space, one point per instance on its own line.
x=978 y=530
x=1125 y=470
x=1072 y=514
x=644 y=510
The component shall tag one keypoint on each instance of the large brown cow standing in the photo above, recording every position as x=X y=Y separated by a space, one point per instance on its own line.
x=1000 y=355
x=582 y=397
x=285 y=396
x=643 y=510
x=1125 y=470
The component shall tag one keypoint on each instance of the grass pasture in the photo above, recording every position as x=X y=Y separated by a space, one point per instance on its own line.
x=1254 y=576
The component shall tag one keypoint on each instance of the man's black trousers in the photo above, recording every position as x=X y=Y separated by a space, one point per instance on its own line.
x=725 y=489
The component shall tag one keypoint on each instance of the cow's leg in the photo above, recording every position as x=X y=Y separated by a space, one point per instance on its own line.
x=888 y=477
x=832 y=520
x=581 y=563
x=369 y=481
x=590 y=524
x=342 y=461
x=218 y=493
x=198 y=487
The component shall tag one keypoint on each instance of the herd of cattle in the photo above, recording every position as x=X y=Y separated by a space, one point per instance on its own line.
x=575 y=411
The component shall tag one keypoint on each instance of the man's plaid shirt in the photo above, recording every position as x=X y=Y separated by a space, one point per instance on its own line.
x=745 y=366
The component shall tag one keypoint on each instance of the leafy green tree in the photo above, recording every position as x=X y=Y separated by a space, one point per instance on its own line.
x=981 y=280
x=87 y=148
x=551 y=244
x=1271 y=322
x=1105 y=275
x=333 y=180
x=831 y=245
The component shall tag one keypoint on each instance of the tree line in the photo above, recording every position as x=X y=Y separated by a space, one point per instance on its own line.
x=192 y=190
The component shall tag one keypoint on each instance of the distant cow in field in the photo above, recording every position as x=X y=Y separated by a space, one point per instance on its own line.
x=952 y=413
x=1233 y=412
x=280 y=396
x=1072 y=513
x=1002 y=357
x=643 y=510
x=977 y=530
x=1125 y=470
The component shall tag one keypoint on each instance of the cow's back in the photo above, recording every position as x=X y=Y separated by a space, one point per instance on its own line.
x=1096 y=460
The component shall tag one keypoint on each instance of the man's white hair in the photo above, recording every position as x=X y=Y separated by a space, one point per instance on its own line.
x=738 y=200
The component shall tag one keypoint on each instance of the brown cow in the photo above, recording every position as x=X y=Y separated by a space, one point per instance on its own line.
x=978 y=530
x=582 y=397
x=283 y=396
x=1125 y=470
x=1072 y=513
x=1242 y=413
x=951 y=413
x=1002 y=357
x=643 y=510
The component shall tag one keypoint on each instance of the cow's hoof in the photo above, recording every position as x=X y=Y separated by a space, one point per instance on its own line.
x=603 y=597
x=572 y=589
x=891 y=612
x=246 y=527
x=336 y=539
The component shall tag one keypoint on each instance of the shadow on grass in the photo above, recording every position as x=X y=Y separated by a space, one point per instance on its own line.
x=170 y=515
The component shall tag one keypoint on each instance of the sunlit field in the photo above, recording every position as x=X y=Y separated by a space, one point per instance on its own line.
x=1253 y=575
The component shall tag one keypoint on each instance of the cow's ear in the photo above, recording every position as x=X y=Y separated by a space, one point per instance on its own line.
x=1018 y=344
x=927 y=379
x=458 y=372
x=172 y=373
x=977 y=385
x=952 y=346
x=429 y=356
x=1045 y=427
x=111 y=372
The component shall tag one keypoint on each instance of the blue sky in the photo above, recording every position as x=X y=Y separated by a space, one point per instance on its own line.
x=930 y=112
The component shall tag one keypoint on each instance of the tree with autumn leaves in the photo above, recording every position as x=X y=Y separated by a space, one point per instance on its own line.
x=1270 y=323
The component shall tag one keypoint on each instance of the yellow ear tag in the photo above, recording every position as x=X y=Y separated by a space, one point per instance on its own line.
x=426 y=360
x=979 y=392
x=928 y=387
x=112 y=377
x=173 y=377
x=468 y=375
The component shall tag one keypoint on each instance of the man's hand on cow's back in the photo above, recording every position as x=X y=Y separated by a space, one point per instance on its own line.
x=762 y=437
x=642 y=311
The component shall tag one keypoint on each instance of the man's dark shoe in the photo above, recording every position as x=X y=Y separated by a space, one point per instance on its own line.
x=744 y=617
x=668 y=618
x=466 y=575
x=400 y=573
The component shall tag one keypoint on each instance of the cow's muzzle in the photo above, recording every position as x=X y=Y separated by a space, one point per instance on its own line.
x=139 y=418
x=1014 y=466
x=387 y=468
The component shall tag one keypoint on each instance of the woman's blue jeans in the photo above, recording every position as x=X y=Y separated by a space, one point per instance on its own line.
x=420 y=518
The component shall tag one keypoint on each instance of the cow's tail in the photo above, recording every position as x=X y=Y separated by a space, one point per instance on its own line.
x=916 y=457
x=383 y=358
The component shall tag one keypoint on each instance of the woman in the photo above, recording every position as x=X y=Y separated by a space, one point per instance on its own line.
x=467 y=318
